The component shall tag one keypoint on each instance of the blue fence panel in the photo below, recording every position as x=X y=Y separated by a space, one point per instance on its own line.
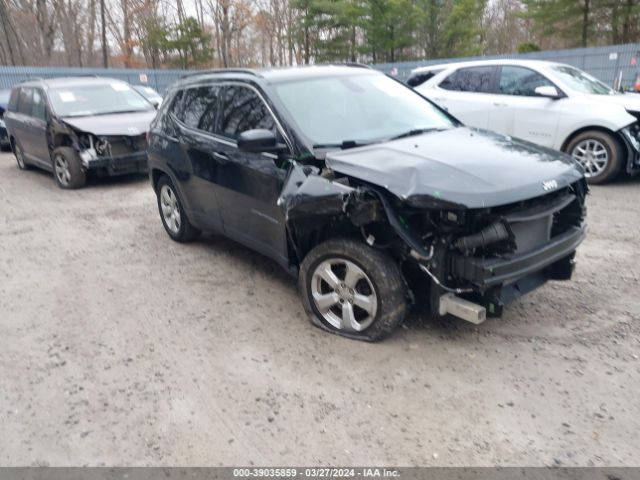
x=611 y=64
x=157 y=79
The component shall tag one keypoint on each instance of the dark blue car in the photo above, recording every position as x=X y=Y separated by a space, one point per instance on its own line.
x=4 y=138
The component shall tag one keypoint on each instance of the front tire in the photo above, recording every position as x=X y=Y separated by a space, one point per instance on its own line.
x=353 y=290
x=599 y=153
x=67 y=169
x=172 y=212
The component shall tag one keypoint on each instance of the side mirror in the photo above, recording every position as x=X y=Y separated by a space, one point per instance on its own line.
x=258 y=141
x=548 y=91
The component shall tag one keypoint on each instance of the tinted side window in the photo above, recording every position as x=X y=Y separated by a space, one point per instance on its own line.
x=420 y=78
x=521 y=81
x=24 y=101
x=242 y=110
x=473 y=79
x=38 y=106
x=175 y=107
x=199 y=107
x=164 y=121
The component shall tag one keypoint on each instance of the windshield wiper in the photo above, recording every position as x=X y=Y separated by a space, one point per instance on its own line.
x=78 y=114
x=117 y=112
x=344 y=145
x=416 y=131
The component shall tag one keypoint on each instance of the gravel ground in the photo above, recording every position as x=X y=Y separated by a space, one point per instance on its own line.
x=121 y=347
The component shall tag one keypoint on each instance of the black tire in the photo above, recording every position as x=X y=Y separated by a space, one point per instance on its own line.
x=67 y=168
x=614 y=150
x=383 y=278
x=19 y=154
x=182 y=231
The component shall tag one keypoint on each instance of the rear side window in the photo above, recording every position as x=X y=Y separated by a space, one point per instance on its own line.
x=174 y=104
x=472 y=79
x=38 y=106
x=199 y=107
x=521 y=81
x=24 y=101
x=420 y=78
x=242 y=110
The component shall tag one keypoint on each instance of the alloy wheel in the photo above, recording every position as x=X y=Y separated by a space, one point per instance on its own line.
x=592 y=155
x=344 y=295
x=170 y=209
x=20 y=158
x=61 y=168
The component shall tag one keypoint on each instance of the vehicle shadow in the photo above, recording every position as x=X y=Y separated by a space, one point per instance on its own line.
x=105 y=181
x=93 y=181
x=252 y=260
x=620 y=181
x=417 y=324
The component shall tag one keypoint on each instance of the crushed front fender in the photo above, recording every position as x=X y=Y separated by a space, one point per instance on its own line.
x=307 y=194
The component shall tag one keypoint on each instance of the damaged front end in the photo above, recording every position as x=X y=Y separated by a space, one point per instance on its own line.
x=467 y=262
x=107 y=154
x=631 y=136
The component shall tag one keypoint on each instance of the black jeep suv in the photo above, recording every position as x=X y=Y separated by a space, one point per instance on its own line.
x=71 y=126
x=372 y=195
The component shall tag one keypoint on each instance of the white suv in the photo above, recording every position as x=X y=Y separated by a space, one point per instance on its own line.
x=551 y=104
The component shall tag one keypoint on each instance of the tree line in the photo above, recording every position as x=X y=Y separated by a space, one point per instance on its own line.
x=245 y=33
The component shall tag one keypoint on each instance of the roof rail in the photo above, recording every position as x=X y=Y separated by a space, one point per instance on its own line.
x=79 y=75
x=29 y=79
x=221 y=70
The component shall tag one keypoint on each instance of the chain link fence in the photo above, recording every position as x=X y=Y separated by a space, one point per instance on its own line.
x=616 y=65
x=157 y=79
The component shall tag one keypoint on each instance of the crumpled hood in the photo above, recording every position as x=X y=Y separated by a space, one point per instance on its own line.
x=459 y=167
x=131 y=124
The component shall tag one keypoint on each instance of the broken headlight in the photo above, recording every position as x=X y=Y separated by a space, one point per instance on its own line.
x=101 y=146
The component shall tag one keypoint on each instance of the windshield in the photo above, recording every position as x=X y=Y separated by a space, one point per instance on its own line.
x=582 y=81
x=97 y=99
x=360 y=108
x=147 y=91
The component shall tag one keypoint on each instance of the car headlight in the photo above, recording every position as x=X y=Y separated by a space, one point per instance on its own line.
x=2 y=124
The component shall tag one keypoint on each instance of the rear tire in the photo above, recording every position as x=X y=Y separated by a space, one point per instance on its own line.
x=20 y=160
x=353 y=290
x=599 y=153
x=172 y=212
x=67 y=169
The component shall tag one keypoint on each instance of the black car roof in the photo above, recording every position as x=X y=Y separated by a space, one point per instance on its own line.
x=276 y=75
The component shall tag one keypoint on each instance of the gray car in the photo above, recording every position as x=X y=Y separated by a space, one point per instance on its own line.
x=73 y=126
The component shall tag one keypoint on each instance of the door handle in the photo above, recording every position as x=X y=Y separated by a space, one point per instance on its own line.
x=220 y=156
x=498 y=104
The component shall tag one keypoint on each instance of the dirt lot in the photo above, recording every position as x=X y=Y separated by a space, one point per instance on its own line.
x=121 y=347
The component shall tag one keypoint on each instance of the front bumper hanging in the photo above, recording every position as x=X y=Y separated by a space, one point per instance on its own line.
x=117 y=165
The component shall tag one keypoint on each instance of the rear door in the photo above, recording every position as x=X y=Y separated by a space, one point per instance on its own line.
x=19 y=118
x=37 y=128
x=466 y=94
x=196 y=113
x=519 y=112
x=249 y=184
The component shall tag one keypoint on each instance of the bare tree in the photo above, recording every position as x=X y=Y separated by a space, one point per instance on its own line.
x=103 y=36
